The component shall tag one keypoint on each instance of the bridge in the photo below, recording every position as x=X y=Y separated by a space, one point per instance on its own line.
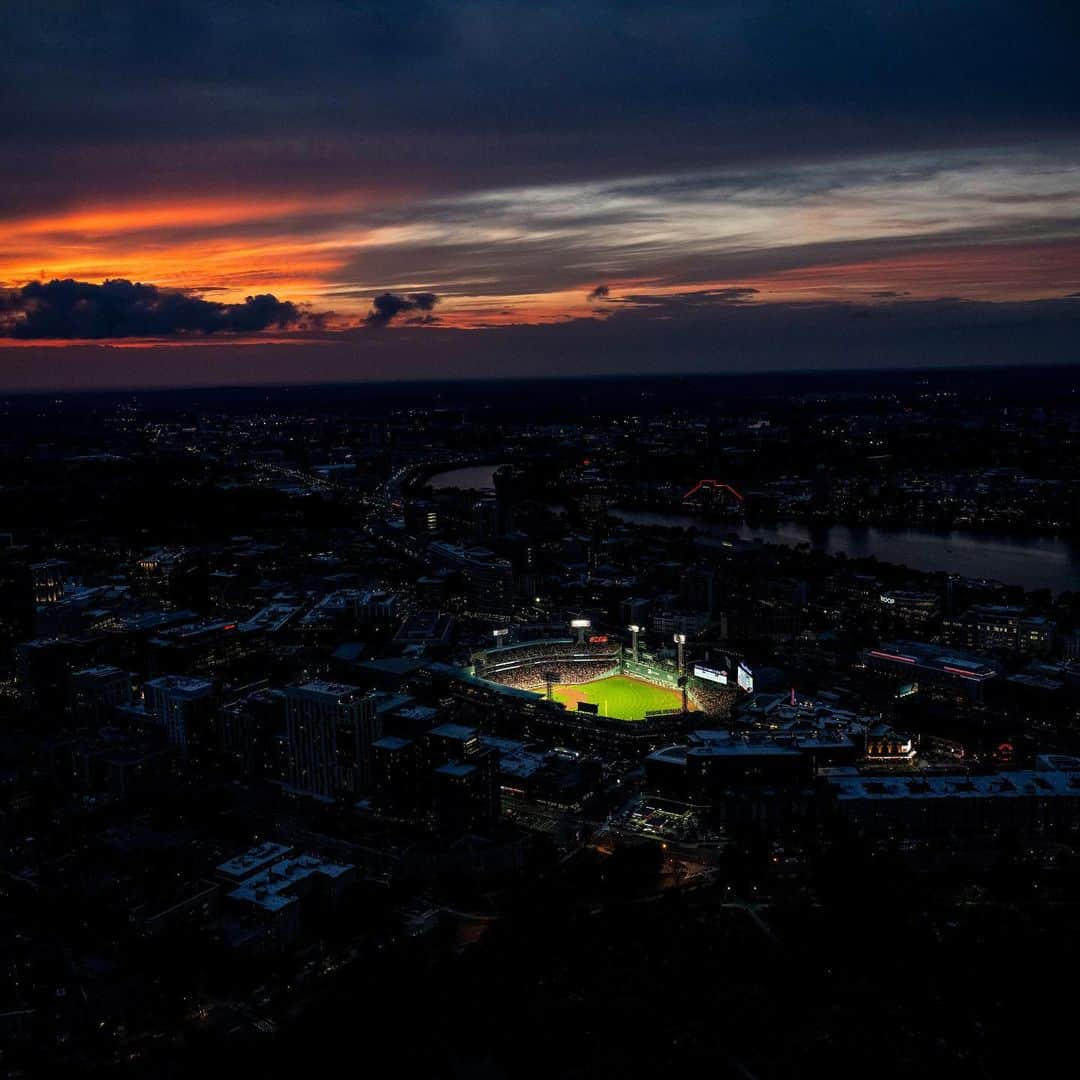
x=712 y=487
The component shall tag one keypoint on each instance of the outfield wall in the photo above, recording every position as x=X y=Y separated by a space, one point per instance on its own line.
x=651 y=672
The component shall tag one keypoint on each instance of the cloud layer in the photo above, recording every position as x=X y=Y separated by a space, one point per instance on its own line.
x=124 y=309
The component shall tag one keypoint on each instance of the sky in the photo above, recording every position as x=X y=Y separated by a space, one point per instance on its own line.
x=213 y=191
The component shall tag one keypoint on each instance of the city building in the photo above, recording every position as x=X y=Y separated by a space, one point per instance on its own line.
x=398 y=771
x=932 y=667
x=466 y=794
x=185 y=707
x=488 y=581
x=43 y=669
x=910 y=608
x=1040 y=802
x=203 y=648
x=48 y=580
x=331 y=730
x=250 y=730
x=96 y=691
x=277 y=901
x=1000 y=628
x=714 y=762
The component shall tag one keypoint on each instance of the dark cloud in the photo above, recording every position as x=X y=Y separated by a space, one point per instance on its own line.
x=732 y=295
x=493 y=91
x=601 y=292
x=683 y=304
x=388 y=306
x=560 y=65
x=122 y=309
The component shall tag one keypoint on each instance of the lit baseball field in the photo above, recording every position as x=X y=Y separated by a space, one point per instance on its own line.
x=620 y=696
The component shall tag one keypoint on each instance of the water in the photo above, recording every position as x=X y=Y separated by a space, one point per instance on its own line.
x=471 y=478
x=1042 y=562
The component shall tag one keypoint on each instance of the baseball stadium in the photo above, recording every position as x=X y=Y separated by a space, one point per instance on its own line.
x=593 y=677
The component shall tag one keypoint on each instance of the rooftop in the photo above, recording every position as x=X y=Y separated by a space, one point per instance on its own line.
x=924 y=655
x=391 y=742
x=456 y=768
x=325 y=688
x=271 y=618
x=253 y=859
x=185 y=684
x=274 y=888
x=98 y=671
x=1011 y=785
x=454 y=731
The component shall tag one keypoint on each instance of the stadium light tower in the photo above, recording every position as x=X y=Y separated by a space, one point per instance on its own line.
x=580 y=625
x=500 y=636
x=680 y=640
x=551 y=679
x=634 y=631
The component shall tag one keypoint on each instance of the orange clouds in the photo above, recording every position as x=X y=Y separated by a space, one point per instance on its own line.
x=231 y=246
x=492 y=265
x=988 y=272
x=992 y=272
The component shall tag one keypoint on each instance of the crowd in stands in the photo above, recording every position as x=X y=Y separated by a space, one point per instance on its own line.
x=534 y=676
x=532 y=652
x=712 y=698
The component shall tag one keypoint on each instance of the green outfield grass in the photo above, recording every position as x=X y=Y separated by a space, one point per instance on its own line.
x=619 y=696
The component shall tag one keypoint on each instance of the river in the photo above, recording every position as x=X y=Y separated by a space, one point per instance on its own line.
x=471 y=478
x=1039 y=562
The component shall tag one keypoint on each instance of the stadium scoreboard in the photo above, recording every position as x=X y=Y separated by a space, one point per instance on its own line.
x=745 y=678
x=711 y=674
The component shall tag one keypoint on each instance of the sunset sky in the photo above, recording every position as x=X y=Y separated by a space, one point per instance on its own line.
x=471 y=188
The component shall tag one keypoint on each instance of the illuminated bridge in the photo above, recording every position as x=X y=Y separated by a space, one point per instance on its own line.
x=712 y=494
